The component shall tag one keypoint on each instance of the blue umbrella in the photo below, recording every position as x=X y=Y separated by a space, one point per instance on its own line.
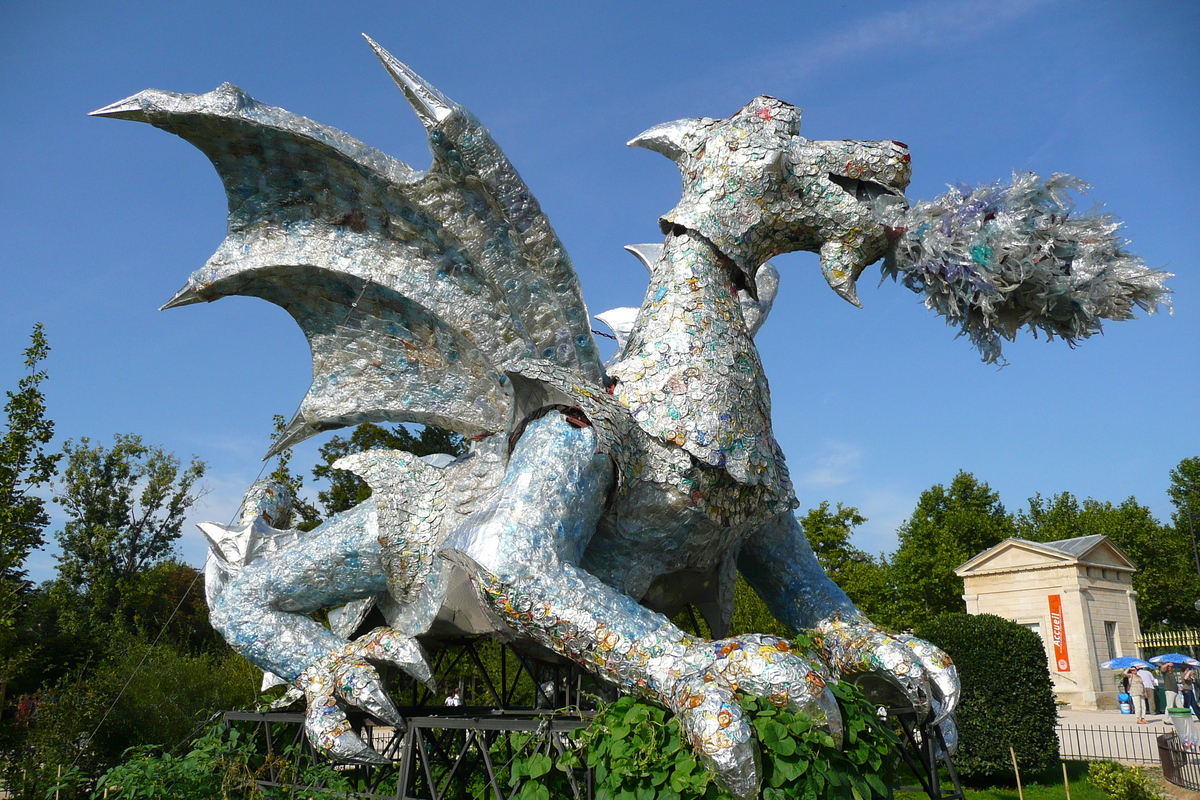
x=1125 y=662
x=1175 y=658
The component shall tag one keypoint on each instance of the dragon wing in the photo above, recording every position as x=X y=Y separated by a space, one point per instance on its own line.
x=416 y=290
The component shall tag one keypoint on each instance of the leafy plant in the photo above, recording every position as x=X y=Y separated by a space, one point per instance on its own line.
x=1122 y=783
x=1007 y=698
x=638 y=752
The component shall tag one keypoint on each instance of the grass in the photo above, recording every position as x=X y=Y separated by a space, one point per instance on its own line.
x=1048 y=786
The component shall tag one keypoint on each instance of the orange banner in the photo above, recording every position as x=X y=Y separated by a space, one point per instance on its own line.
x=1058 y=634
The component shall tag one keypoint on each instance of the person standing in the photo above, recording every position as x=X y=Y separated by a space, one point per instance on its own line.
x=1170 y=685
x=1149 y=684
x=1137 y=693
x=1187 y=690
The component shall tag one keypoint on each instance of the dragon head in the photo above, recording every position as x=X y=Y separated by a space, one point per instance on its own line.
x=755 y=188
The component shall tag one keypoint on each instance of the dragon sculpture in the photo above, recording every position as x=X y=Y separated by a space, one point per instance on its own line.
x=596 y=500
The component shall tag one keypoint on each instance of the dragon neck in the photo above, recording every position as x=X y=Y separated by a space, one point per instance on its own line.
x=691 y=374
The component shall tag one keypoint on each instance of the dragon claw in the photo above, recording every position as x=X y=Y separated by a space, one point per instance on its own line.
x=943 y=676
x=344 y=675
x=891 y=668
x=711 y=717
x=704 y=698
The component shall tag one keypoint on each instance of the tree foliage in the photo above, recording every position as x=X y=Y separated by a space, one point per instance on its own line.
x=25 y=466
x=1184 y=492
x=948 y=527
x=863 y=577
x=125 y=509
x=346 y=489
x=305 y=515
x=1007 y=697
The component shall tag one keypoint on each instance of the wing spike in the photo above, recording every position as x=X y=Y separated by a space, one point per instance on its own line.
x=188 y=295
x=432 y=106
x=296 y=431
x=129 y=108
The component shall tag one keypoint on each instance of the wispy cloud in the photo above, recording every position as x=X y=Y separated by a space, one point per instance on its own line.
x=922 y=25
x=884 y=509
x=834 y=464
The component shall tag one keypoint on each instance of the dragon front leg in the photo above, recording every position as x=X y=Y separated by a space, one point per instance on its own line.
x=778 y=562
x=262 y=613
x=521 y=553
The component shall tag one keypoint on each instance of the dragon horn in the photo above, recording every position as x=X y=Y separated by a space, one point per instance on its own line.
x=432 y=106
x=667 y=138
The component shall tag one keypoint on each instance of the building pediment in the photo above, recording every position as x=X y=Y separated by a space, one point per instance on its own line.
x=1106 y=554
x=1014 y=554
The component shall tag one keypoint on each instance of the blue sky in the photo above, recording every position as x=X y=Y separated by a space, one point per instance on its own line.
x=103 y=220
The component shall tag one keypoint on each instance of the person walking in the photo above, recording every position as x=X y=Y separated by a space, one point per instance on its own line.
x=1187 y=690
x=1149 y=684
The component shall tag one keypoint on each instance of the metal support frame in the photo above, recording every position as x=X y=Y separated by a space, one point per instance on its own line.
x=923 y=750
x=448 y=752
x=461 y=752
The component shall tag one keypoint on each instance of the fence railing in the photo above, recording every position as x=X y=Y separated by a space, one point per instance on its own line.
x=1112 y=742
x=1169 y=639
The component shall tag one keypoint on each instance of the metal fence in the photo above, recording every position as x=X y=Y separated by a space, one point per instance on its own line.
x=1180 y=764
x=1115 y=743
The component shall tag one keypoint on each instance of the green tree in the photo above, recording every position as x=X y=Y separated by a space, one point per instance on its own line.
x=1184 y=492
x=948 y=527
x=24 y=467
x=1166 y=581
x=346 y=489
x=125 y=509
x=305 y=515
x=861 y=576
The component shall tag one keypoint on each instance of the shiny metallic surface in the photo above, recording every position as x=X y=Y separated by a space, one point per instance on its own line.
x=594 y=503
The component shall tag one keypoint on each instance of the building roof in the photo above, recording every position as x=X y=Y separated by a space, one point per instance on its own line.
x=1033 y=555
x=1078 y=546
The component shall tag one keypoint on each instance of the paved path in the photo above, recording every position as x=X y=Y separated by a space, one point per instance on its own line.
x=1089 y=735
x=1071 y=716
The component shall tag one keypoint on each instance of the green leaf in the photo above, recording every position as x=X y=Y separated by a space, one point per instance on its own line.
x=538 y=764
x=785 y=747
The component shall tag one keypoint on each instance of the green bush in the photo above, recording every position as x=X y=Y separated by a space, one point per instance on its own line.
x=1121 y=782
x=166 y=702
x=1007 y=697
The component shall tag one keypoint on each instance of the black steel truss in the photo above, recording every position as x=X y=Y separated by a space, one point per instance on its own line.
x=923 y=750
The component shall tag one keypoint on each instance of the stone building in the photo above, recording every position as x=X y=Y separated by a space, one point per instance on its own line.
x=1075 y=594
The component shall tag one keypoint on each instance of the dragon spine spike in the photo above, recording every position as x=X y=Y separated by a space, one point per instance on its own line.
x=647 y=254
x=620 y=322
x=432 y=106
x=667 y=138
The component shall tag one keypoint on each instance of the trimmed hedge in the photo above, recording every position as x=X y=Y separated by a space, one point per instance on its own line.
x=1007 y=697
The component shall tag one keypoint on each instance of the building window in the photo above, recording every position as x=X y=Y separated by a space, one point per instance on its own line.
x=1104 y=574
x=1110 y=638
